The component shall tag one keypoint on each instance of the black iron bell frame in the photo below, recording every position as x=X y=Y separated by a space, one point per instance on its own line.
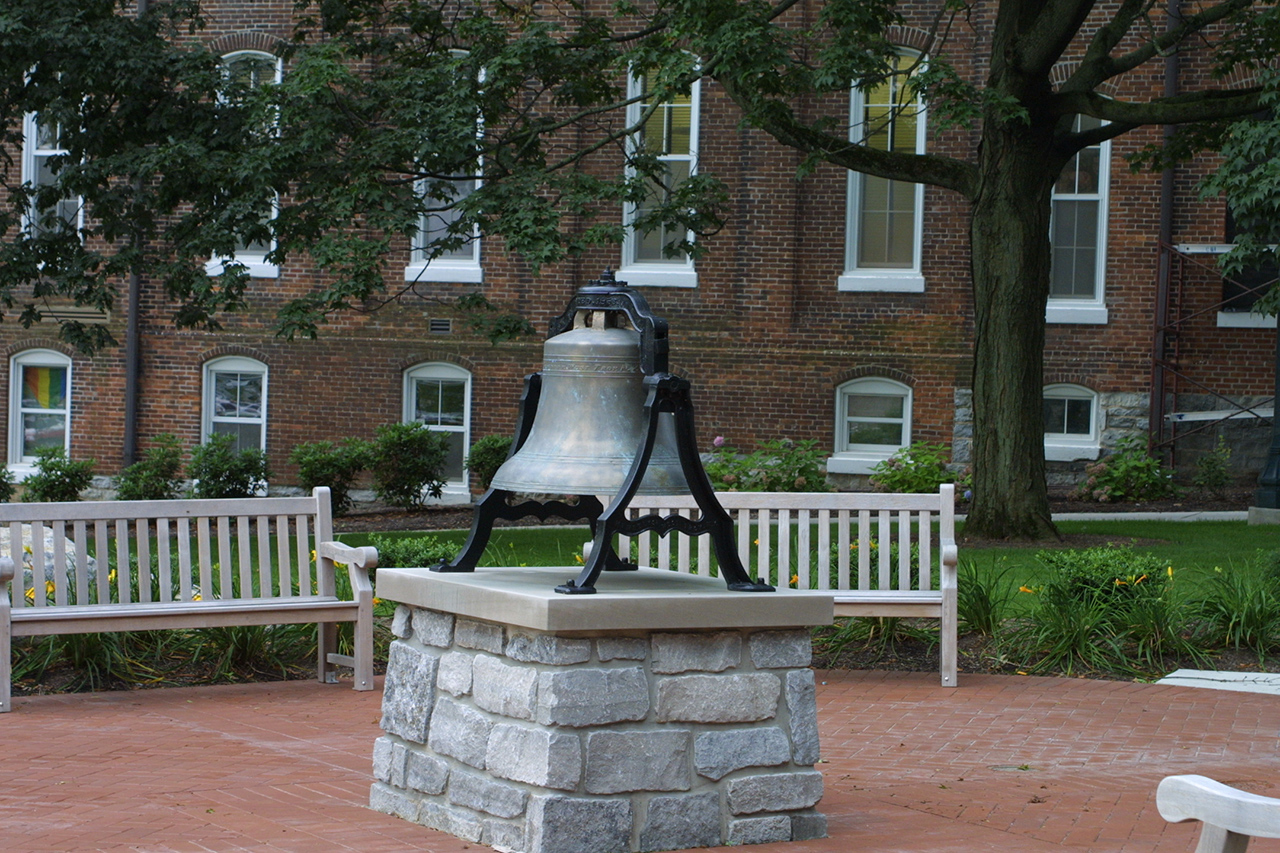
x=665 y=393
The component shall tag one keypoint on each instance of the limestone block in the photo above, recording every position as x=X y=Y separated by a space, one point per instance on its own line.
x=548 y=648
x=638 y=761
x=592 y=697
x=742 y=698
x=402 y=623
x=485 y=795
x=716 y=754
x=759 y=830
x=802 y=703
x=408 y=692
x=453 y=820
x=454 y=675
x=482 y=636
x=537 y=756
x=460 y=731
x=388 y=761
x=681 y=822
x=502 y=836
x=433 y=628
x=674 y=653
x=808 y=825
x=426 y=773
x=781 y=649
x=774 y=792
x=622 y=648
x=503 y=688
x=559 y=824
x=383 y=798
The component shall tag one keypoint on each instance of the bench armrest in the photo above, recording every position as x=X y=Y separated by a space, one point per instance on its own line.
x=950 y=559
x=357 y=560
x=6 y=570
x=1200 y=798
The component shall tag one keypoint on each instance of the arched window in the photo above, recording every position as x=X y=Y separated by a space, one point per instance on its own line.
x=1071 y=423
x=1078 y=234
x=235 y=401
x=438 y=394
x=39 y=404
x=669 y=133
x=873 y=422
x=886 y=217
x=249 y=69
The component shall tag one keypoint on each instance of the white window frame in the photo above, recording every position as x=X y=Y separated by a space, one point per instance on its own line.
x=672 y=272
x=32 y=153
x=862 y=458
x=1090 y=310
x=881 y=279
x=255 y=263
x=1070 y=447
x=18 y=463
x=455 y=489
x=233 y=364
x=458 y=270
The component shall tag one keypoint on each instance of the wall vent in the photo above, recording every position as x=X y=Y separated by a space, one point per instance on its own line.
x=440 y=326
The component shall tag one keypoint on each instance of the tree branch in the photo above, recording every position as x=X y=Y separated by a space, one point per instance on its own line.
x=1051 y=32
x=1211 y=105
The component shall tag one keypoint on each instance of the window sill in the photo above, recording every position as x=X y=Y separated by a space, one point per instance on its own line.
x=857 y=463
x=881 y=281
x=657 y=275
x=1071 y=452
x=256 y=269
x=1245 y=320
x=454 y=272
x=1066 y=313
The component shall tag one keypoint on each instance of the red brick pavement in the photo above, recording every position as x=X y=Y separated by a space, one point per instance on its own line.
x=1000 y=764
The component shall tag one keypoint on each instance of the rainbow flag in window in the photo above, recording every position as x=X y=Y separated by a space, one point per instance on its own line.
x=44 y=387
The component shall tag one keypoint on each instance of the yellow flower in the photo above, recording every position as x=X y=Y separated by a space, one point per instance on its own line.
x=795 y=579
x=377 y=601
x=578 y=557
x=313 y=555
x=757 y=542
x=111 y=577
x=1120 y=582
x=1169 y=572
x=1026 y=589
x=31 y=595
x=26 y=549
x=49 y=587
x=1140 y=580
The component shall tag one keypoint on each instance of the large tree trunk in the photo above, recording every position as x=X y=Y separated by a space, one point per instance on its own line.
x=1010 y=246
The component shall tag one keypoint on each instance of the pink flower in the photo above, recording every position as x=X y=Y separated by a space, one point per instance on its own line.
x=718 y=441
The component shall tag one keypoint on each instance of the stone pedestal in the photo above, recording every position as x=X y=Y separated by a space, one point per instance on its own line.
x=662 y=713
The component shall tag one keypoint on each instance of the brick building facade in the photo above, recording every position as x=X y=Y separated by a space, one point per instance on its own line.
x=789 y=327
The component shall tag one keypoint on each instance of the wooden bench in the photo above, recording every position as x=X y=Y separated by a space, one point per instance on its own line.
x=881 y=554
x=1230 y=816
x=73 y=568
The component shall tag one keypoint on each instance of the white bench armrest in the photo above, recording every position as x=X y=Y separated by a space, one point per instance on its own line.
x=6 y=571
x=1200 y=798
x=357 y=560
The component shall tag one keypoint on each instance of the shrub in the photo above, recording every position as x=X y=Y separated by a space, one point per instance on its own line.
x=781 y=465
x=407 y=462
x=1128 y=474
x=918 y=469
x=221 y=471
x=1213 y=470
x=487 y=456
x=411 y=551
x=155 y=476
x=57 y=477
x=323 y=463
x=7 y=485
x=983 y=599
x=1241 y=607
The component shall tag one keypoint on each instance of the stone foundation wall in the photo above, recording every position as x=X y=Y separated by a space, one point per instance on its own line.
x=590 y=743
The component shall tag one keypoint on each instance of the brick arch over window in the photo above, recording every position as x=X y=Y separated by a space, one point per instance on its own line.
x=878 y=370
x=426 y=355
x=915 y=38
x=1063 y=71
x=233 y=42
x=1068 y=377
x=224 y=350
x=40 y=343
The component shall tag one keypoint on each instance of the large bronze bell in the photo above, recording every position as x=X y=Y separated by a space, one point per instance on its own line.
x=590 y=420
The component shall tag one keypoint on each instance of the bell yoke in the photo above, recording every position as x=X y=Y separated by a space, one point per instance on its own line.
x=604 y=418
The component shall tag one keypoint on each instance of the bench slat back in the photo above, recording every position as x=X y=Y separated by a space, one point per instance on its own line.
x=121 y=552
x=811 y=540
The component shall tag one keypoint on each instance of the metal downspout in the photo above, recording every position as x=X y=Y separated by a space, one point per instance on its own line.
x=132 y=345
x=1156 y=407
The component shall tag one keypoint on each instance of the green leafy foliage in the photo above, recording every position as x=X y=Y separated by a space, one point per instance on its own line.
x=1128 y=474
x=1213 y=469
x=7 y=485
x=57 y=477
x=412 y=551
x=1241 y=607
x=220 y=471
x=156 y=477
x=324 y=463
x=918 y=469
x=407 y=463
x=780 y=465
x=487 y=456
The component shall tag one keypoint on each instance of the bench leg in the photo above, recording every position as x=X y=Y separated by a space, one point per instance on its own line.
x=326 y=644
x=6 y=655
x=364 y=647
x=948 y=631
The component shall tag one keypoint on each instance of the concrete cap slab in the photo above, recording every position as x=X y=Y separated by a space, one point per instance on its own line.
x=1246 y=682
x=648 y=599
